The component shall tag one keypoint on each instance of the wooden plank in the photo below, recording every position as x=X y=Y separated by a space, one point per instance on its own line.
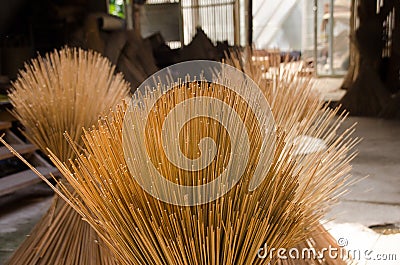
x=4 y=125
x=12 y=138
x=23 y=179
x=20 y=148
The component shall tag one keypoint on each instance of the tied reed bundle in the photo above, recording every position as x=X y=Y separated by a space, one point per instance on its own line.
x=63 y=92
x=294 y=104
x=282 y=212
x=140 y=229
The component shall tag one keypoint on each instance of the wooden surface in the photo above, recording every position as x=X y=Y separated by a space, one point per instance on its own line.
x=20 y=148
x=5 y=125
x=23 y=179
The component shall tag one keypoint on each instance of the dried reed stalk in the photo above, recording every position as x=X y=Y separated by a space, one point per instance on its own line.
x=63 y=92
x=282 y=212
x=294 y=104
x=139 y=229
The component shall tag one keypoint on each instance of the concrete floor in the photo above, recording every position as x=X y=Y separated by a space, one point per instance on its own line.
x=372 y=201
x=375 y=199
x=19 y=212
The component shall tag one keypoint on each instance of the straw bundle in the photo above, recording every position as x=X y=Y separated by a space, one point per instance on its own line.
x=140 y=229
x=63 y=92
x=294 y=104
x=282 y=212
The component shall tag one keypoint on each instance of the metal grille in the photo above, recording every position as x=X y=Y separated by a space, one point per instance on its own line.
x=218 y=18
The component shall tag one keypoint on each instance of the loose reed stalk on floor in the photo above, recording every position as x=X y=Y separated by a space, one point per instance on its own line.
x=63 y=92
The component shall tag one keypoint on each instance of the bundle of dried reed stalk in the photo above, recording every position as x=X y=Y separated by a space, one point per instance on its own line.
x=140 y=229
x=283 y=211
x=63 y=92
x=294 y=104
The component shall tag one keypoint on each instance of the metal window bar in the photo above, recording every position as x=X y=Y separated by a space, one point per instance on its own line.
x=218 y=18
x=318 y=5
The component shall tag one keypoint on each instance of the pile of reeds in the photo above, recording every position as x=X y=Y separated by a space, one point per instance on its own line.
x=64 y=91
x=283 y=212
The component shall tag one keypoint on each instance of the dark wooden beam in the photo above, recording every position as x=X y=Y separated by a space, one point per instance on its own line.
x=250 y=23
